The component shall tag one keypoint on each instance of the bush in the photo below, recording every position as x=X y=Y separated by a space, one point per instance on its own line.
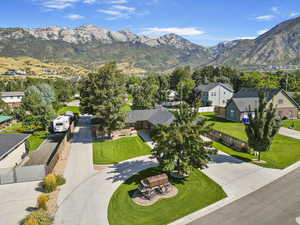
x=31 y=221
x=60 y=180
x=38 y=217
x=42 y=201
x=49 y=183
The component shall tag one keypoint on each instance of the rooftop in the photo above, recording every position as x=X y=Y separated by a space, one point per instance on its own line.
x=5 y=118
x=12 y=94
x=208 y=87
x=153 y=116
x=8 y=142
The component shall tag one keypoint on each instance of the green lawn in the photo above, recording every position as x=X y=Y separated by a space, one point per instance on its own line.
x=196 y=192
x=34 y=141
x=74 y=109
x=115 y=151
x=289 y=123
x=284 y=151
x=127 y=108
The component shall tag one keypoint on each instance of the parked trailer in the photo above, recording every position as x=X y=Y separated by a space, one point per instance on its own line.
x=61 y=124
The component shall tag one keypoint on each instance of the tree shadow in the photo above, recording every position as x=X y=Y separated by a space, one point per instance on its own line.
x=234 y=159
x=130 y=169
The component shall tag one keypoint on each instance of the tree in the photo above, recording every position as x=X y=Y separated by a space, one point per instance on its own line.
x=103 y=95
x=179 y=146
x=4 y=108
x=163 y=88
x=262 y=127
x=185 y=89
x=179 y=75
x=144 y=94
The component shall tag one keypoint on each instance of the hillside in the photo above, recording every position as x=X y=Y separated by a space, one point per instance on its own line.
x=90 y=46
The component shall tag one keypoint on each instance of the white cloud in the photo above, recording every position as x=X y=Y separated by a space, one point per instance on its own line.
x=245 y=38
x=293 y=14
x=62 y=4
x=89 y=1
x=110 y=12
x=275 y=9
x=260 y=32
x=117 y=1
x=265 y=17
x=124 y=8
x=187 y=31
x=74 y=17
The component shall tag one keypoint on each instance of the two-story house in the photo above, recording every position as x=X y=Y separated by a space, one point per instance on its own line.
x=247 y=99
x=215 y=94
x=13 y=99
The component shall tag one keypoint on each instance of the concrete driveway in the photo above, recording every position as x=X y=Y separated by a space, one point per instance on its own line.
x=16 y=200
x=85 y=197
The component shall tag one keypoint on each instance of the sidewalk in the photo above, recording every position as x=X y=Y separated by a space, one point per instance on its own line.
x=289 y=132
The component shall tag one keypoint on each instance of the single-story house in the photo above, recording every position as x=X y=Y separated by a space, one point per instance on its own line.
x=13 y=98
x=238 y=107
x=146 y=119
x=12 y=149
x=5 y=120
x=218 y=94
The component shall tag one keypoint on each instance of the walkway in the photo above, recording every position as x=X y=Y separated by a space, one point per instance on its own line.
x=289 y=132
x=84 y=199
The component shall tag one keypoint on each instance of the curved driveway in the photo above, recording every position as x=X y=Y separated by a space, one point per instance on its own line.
x=84 y=199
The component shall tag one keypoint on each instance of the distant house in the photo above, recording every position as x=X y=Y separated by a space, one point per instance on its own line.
x=238 y=106
x=12 y=149
x=4 y=120
x=15 y=72
x=218 y=94
x=146 y=119
x=172 y=95
x=13 y=99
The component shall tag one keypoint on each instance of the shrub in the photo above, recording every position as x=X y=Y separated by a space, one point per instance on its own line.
x=60 y=180
x=38 y=217
x=49 y=183
x=42 y=201
x=31 y=221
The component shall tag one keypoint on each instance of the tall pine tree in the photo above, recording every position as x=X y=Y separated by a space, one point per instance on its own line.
x=103 y=95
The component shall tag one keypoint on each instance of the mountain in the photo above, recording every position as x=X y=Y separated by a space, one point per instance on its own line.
x=92 y=45
x=278 y=46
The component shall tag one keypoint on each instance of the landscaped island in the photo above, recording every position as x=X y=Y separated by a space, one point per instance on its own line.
x=195 y=192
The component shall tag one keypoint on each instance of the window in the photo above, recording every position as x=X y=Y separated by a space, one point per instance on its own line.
x=280 y=101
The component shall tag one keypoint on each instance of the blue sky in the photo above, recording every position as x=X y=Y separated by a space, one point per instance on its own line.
x=203 y=22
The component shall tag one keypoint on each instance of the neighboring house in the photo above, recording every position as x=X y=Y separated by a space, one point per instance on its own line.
x=15 y=72
x=12 y=149
x=146 y=119
x=172 y=95
x=218 y=94
x=5 y=120
x=13 y=98
x=238 y=107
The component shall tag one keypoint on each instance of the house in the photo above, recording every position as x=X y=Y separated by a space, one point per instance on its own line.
x=13 y=99
x=146 y=119
x=15 y=72
x=238 y=107
x=5 y=120
x=12 y=149
x=172 y=95
x=214 y=94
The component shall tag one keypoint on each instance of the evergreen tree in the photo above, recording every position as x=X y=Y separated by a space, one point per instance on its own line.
x=103 y=95
x=179 y=146
x=263 y=126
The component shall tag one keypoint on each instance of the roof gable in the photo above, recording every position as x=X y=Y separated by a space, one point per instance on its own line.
x=210 y=86
x=8 y=142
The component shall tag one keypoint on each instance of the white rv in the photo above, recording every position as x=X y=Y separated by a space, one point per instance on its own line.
x=61 y=124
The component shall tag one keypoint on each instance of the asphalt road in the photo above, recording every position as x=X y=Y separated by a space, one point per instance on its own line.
x=275 y=204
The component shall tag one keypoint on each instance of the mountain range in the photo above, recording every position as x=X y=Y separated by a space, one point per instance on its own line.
x=90 y=45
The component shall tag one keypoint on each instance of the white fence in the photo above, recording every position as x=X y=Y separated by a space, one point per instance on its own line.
x=206 y=109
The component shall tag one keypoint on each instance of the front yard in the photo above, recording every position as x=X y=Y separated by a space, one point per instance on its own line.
x=73 y=109
x=284 y=151
x=290 y=123
x=196 y=192
x=34 y=141
x=109 y=152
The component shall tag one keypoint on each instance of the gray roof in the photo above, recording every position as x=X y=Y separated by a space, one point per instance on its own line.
x=8 y=142
x=208 y=87
x=249 y=97
x=153 y=116
x=12 y=94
